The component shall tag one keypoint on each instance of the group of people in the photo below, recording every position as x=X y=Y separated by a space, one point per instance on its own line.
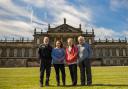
x=72 y=55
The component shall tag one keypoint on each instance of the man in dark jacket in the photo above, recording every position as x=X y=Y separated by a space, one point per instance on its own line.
x=45 y=60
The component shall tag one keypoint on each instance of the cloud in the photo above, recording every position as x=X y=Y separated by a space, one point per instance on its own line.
x=20 y=29
x=125 y=33
x=74 y=16
x=104 y=33
x=37 y=3
x=16 y=20
x=117 y=4
x=16 y=15
x=18 y=23
x=60 y=9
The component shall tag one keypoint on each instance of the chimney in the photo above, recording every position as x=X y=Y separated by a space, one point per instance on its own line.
x=48 y=26
x=92 y=31
x=80 y=26
x=35 y=31
x=64 y=20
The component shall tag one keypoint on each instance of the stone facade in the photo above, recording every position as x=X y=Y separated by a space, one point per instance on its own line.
x=18 y=53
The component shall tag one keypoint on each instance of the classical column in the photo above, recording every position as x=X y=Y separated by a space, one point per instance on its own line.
x=15 y=52
x=117 y=52
x=124 y=52
x=54 y=40
x=38 y=41
x=23 y=52
x=8 y=51
x=90 y=41
x=61 y=39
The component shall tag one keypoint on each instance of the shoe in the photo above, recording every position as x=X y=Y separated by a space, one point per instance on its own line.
x=47 y=83
x=63 y=84
x=82 y=84
x=74 y=84
x=58 y=84
x=89 y=84
x=41 y=85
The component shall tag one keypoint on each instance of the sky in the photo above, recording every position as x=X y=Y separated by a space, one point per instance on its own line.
x=108 y=18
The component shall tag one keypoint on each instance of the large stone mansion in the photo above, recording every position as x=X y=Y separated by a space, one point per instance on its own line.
x=25 y=52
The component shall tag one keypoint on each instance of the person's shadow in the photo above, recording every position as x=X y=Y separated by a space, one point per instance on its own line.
x=111 y=85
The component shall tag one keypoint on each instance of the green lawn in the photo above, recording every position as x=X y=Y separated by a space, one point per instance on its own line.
x=28 y=78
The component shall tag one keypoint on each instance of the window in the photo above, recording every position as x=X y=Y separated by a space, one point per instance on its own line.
x=19 y=52
x=121 y=52
x=113 y=52
x=11 y=54
x=26 y=52
x=4 y=52
x=108 y=62
x=107 y=52
x=34 y=52
x=114 y=62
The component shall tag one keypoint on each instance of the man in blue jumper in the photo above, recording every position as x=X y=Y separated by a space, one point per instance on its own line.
x=84 y=54
x=45 y=60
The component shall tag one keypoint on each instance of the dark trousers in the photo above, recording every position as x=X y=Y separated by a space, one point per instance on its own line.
x=44 y=67
x=85 y=67
x=73 y=73
x=58 y=68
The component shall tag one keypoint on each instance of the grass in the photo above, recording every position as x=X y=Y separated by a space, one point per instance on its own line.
x=28 y=78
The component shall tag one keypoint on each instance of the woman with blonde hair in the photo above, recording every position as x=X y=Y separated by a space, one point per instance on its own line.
x=71 y=59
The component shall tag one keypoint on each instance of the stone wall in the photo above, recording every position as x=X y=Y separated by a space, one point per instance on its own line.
x=29 y=62
x=115 y=61
x=18 y=63
x=13 y=62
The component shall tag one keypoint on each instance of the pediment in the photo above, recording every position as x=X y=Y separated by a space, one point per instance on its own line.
x=64 y=28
